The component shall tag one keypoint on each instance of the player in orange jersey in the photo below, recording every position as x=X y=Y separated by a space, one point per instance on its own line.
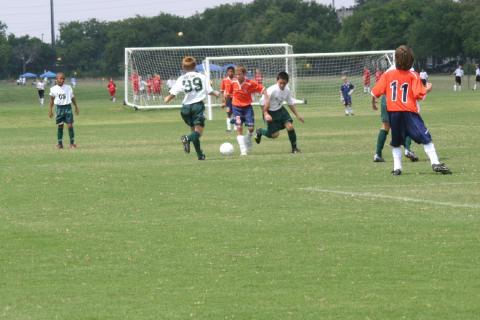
x=403 y=88
x=241 y=90
x=227 y=101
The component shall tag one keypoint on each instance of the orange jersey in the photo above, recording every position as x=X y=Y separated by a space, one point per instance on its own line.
x=242 y=93
x=402 y=88
x=225 y=82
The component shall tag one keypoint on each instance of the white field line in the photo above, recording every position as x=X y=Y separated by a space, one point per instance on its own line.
x=382 y=196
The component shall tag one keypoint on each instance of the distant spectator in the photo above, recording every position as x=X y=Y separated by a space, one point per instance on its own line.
x=424 y=77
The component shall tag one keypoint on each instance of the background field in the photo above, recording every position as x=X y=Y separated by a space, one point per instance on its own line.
x=129 y=227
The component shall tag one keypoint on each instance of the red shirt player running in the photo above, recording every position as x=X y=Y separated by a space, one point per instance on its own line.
x=112 y=89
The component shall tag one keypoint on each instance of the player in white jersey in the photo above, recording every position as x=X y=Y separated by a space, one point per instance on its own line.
x=424 y=77
x=40 y=85
x=62 y=96
x=477 y=77
x=458 y=78
x=196 y=88
x=275 y=114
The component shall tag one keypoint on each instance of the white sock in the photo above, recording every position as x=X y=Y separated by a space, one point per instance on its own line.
x=41 y=101
x=229 y=125
x=113 y=99
x=454 y=87
x=241 y=144
x=248 y=141
x=397 y=158
x=346 y=110
x=350 y=110
x=431 y=153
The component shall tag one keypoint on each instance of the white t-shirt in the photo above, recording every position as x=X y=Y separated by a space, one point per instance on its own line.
x=40 y=85
x=194 y=85
x=423 y=75
x=63 y=95
x=277 y=97
x=459 y=72
x=477 y=72
x=170 y=83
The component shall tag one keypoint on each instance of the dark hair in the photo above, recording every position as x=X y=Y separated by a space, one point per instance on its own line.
x=282 y=75
x=404 y=57
x=189 y=63
x=231 y=68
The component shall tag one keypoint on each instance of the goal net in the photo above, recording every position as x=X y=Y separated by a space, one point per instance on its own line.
x=315 y=78
x=150 y=72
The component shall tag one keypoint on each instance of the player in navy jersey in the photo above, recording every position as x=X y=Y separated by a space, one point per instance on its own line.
x=346 y=91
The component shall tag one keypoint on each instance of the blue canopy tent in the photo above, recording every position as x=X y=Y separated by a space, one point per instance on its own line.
x=28 y=75
x=228 y=65
x=213 y=68
x=48 y=74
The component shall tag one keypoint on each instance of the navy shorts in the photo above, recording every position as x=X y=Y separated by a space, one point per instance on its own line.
x=244 y=115
x=408 y=124
x=347 y=100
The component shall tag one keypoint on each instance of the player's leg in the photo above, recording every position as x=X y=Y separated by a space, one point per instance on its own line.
x=239 y=116
x=250 y=123
x=69 y=121
x=408 y=151
x=397 y=124
x=381 y=139
x=415 y=128
x=60 y=120
x=292 y=136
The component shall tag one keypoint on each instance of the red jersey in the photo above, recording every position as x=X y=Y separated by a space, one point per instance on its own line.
x=149 y=85
x=111 y=86
x=225 y=82
x=402 y=88
x=378 y=74
x=135 y=82
x=157 y=84
x=366 y=77
x=242 y=93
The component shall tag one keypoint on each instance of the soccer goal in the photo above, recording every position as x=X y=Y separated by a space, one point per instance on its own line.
x=315 y=78
x=150 y=72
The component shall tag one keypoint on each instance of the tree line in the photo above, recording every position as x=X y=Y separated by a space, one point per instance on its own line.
x=436 y=29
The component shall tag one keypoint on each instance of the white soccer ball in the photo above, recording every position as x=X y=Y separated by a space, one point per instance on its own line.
x=180 y=34
x=226 y=149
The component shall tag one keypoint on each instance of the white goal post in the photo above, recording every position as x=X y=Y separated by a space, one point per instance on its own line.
x=315 y=78
x=150 y=71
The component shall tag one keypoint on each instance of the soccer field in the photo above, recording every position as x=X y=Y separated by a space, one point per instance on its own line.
x=127 y=226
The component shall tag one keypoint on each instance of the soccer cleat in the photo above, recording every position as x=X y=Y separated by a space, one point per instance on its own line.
x=73 y=146
x=377 y=158
x=60 y=146
x=397 y=172
x=411 y=155
x=258 y=137
x=186 y=144
x=201 y=157
x=296 y=150
x=441 y=168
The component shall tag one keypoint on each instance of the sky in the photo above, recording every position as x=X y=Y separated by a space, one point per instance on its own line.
x=32 y=17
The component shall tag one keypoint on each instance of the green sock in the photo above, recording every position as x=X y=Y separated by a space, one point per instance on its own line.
x=194 y=137
x=407 y=143
x=382 y=137
x=60 y=134
x=292 y=136
x=265 y=133
x=71 y=134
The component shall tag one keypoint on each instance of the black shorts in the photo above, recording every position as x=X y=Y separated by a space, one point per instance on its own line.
x=424 y=81
x=41 y=94
x=477 y=78
x=408 y=124
x=458 y=80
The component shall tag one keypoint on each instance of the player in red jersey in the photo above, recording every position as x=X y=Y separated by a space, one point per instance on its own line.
x=403 y=88
x=378 y=74
x=135 y=78
x=157 y=86
x=227 y=101
x=112 y=89
x=366 y=80
x=150 y=87
x=241 y=90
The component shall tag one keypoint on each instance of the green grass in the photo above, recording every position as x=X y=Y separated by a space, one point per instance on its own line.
x=129 y=227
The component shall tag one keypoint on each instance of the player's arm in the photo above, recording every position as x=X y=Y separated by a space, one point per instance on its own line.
x=352 y=88
x=295 y=112
x=77 y=110
x=50 y=107
x=212 y=92
x=169 y=98
x=266 y=106
x=374 y=103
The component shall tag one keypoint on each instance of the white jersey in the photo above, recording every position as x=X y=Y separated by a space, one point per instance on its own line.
x=477 y=72
x=40 y=85
x=278 y=96
x=194 y=85
x=423 y=75
x=458 y=72
x=63 y=95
